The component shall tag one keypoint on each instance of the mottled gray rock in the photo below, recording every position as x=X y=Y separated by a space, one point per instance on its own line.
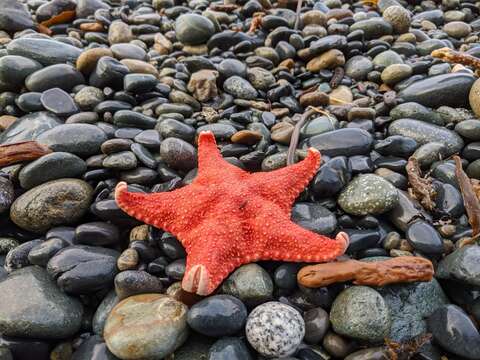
x=462 y=265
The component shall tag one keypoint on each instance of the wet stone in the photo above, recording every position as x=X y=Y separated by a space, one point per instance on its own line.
x=314 y=217
x=229 y=348
x=462 y=265
x=218 y=315
x=157 y=320
x=361 y=313
x=133 y=282
x=41 y=253
x=275 y=329
x=240 y=88
x=97 y=233
x=59 y=102
x=193 y=29
x=82 y=269
x=52 y=314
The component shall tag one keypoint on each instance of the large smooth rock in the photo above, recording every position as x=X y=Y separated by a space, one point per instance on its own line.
x=14 y=16
x=360 y=312
x=424 y=133
x=45 y=51
x=193 y=29
x=441 y=90
x=79 y=139
x=406 y=210
x=51 y=167
x=61 y=76
x=88 y=7
x=14 y=69
x=342 y=142
x=368 y=194
x=81 y=269
x=147 y=326
x=455 y=332
x=56 y=202
x=410 y=305
x=462 y=265
x=33 y=306
x=28 y=127
x=314 y=217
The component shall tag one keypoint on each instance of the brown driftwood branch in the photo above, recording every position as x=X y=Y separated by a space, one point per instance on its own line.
x=456 y=57
x=22 y=151
x=378 y=273
x=470 y=199
x=421 y=188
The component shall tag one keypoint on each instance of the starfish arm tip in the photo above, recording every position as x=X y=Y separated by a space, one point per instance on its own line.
x=342 y=237
x=196 y=280
x=120 y=189
x=206 y=135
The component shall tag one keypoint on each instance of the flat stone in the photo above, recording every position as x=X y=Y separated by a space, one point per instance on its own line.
x=59 y=102
x=361 y=313
x=45 y=51
x=56 y=202
x=14 y=16
x=449 y=89
x=49 y=167
x=29 y=127
x=62 y=76
x=146 y=326
x=342 y=142
x=33 y=306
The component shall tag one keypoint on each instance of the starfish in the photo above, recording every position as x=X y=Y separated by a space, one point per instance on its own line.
x=228 y=217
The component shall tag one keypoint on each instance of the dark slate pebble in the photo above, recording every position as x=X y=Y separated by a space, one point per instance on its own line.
x=14 y=16
x=59 y=102
x=144 y=155
x=18 y=257
x=455 y=332
x=79 y=139
x=178 y=154
x=128 y=118
x=361 y=239
x=316 y=325
x=108 y=72
x=7 y=194
x=133 y=282
x=342 y=142
x=83 y=269
x=30 y=102
x=45 y=51
x=51 y=167
x=437 y=90
x=333 y=176
x=463 y=265
x=176 y=269
x=424 y=238
x=449 y=201
x=41 y=254
x=14 y=69
x=285 y=276
x=218 y=315
x=97 y=233
x=93 y=348
x=171 y=247
x=229 y=348
x=139 y=83
x=177 y=129
x=314 y=217
x=396 y=145
x=29 y=127
x=148 y=138
x=62 y=76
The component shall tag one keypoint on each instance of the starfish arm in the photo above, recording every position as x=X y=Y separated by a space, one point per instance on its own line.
x=283 y=186
x=154 y=209
x=288 y=241
x=211 y=165
x=212 y=254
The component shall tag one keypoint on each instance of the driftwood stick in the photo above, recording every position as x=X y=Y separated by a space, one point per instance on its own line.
x=378 y=273
x=22 y=151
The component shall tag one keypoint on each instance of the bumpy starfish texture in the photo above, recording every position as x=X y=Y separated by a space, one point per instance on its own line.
x=228 y=217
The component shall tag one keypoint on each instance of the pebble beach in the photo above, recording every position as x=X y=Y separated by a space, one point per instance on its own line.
x=104 y=102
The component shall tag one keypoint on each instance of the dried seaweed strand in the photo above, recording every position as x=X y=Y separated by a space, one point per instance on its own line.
x=421 y=188
x=22 y=151
x=296 y=132
x=456 y=57
x=472 y=205
x=406 y=350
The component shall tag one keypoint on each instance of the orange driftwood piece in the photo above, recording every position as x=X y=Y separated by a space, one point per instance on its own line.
x=378 y=273
x=62 y=18
x=22 y=151
x=456 y=57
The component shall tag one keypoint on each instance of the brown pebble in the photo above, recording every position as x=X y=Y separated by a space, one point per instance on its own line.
x=314 y=98
x=203 y=85
x=314 y=17
x=139 y=66
x=246 y=137
x=405 y=246
x=91 y=27
x=162 y=45
x=339 y=13
x=139 y=233
x=447 y=230
x=6 y=121
x=328 y=60
x=128 y=260
x=88 y=59
x=282 y=132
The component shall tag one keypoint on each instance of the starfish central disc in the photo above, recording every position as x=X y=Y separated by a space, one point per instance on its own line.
x=228 y=217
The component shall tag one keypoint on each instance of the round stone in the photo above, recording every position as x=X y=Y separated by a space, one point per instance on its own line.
x=59 y=102
x=193 y=29
x=56 y=202
x=49 y=167
x=32 y=305
x=368 y=194
x=250 y=283
x=398 y=17
x=395 y=73
x=146 y=326
x=218 y=315
x=229 y=348
x=240 y=88
x=275 y=329
x=361 y=313
x=457 y=29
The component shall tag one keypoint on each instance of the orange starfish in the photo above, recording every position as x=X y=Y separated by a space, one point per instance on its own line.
x=228 y=217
